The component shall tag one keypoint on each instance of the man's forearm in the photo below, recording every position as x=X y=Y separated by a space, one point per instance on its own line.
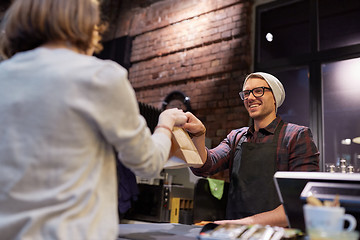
x=276 y=217
x=199 y=143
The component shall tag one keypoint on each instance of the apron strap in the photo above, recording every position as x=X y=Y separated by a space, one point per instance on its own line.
x=236 y=142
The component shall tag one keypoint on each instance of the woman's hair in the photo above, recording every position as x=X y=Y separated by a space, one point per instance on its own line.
x=32 y=23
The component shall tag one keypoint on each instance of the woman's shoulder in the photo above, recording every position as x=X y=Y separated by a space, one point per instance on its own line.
x=91 y=68
x=107 y=67
x=71 y=59
x=98 y=64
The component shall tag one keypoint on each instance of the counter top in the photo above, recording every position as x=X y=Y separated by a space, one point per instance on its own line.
x=158 y=231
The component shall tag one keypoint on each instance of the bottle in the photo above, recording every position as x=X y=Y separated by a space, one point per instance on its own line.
x=343 y=165
x=332 y=168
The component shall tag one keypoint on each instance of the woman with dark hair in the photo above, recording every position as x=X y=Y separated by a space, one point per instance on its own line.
x=62 y=113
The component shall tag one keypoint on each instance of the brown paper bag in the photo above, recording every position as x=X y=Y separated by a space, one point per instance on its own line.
x=183 y=152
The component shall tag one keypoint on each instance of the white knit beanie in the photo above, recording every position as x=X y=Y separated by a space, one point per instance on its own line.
x=275 y=85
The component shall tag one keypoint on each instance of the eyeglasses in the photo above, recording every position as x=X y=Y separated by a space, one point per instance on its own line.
x=257 y=92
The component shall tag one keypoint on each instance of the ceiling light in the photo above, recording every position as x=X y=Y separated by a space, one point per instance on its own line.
x=269 y=37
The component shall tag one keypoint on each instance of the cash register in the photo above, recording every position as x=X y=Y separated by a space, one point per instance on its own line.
x=294 y=187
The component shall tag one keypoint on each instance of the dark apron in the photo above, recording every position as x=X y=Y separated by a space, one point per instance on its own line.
x=252 y=189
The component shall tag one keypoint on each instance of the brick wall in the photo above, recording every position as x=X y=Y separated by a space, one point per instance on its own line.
x=199 y=47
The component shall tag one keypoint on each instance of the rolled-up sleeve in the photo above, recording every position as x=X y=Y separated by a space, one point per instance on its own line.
x=303 y=153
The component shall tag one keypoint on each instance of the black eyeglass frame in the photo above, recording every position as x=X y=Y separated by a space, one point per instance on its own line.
x=242 y=93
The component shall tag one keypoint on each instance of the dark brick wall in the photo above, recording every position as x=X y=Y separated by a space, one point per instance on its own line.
x=199 y=47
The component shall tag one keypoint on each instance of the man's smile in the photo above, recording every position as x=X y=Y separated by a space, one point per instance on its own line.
x=254 y=105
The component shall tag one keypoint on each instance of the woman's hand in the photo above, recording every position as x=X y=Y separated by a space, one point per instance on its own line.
x=172 y=117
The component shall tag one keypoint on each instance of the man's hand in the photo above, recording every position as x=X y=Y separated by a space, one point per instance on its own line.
x=276 y=217
x=194 y=125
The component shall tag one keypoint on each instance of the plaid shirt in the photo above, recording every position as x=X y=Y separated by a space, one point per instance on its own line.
x=296 y=150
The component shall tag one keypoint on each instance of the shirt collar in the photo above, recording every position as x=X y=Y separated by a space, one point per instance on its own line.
x=268 y=129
